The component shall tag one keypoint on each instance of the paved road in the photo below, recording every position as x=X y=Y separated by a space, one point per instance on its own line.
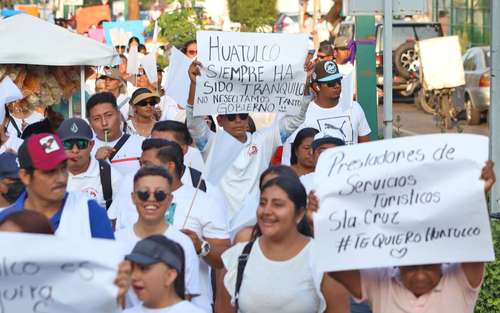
x=414 y=121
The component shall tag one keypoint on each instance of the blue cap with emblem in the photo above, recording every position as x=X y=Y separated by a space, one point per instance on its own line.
x=75 y=128
x=326 y=71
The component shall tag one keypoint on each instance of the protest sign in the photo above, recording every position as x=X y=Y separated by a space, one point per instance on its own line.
x=406 y=201
x=42 y=274
x=134 y=28
x=177 y=86
x=250 y=72
x=9 y=92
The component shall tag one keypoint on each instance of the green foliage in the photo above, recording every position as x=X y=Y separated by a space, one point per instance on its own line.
x=489 y=298
x=252 y=14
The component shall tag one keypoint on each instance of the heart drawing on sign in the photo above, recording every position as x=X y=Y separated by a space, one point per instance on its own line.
x=399 y=253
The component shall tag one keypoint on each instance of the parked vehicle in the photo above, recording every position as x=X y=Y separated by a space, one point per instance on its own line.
x=474 y=97
x=405 y=59
x=287 y=23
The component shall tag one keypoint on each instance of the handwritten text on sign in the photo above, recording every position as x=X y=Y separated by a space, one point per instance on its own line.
x=250 y=72
x=48 y=274
x=415 y=200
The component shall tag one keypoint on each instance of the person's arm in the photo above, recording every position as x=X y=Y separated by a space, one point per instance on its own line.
x=123 y=281
x=362 y=139
x=217 y=247
x=474 y=273
x=197 y=126
x=336 y=296
x=223 y=298
x=289 y=123
x=351 y=280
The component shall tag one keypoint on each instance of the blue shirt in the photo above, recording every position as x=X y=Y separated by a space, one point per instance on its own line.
x=100 y=226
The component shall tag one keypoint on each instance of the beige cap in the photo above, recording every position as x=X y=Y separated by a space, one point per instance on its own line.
x=341 y=42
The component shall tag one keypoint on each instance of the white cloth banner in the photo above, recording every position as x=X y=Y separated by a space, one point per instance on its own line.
x=8 y=93
x=405 y=201
x=42 y=273
x=250 y=72
x=178 y=78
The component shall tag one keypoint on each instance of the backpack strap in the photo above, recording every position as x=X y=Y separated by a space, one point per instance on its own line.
x=13 y=122
x=195 y=178
x=119 y=145
x=105 y=175
x=242 y=263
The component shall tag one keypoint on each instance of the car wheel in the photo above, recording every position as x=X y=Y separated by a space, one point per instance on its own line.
x=473 y=115
x=424 y=102
x=406 y=60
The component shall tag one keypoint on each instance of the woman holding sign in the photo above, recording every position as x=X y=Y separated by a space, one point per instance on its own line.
x=429 y=288
x=274 y=273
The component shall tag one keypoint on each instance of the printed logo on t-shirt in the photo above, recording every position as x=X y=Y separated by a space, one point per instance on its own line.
x=252 y=150
x=91 y=192
x=338 y=126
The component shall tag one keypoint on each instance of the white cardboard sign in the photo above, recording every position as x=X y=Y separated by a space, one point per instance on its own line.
x=49 y=274
x=405 y=201
x=178 y=78
x=250 y=72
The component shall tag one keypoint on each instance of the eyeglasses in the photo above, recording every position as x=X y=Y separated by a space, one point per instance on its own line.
x=232 y=117
x=81 y=144
x=192 y=52
x=146 y=103
x=333 y=83
x=159 y=195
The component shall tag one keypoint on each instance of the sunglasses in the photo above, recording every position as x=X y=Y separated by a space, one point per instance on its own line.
x=81 y=144
x=146 y=103
x=192 y=52
x=159 y=195
x=232 y=117
x=333 y=83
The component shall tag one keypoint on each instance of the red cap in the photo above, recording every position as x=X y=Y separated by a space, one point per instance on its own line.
x=42 y=151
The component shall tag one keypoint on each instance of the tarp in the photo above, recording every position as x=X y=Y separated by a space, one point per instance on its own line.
x=30 y=40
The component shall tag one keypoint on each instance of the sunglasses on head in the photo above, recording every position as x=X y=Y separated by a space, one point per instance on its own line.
x=81 y=144
x=146 y=103
x=159 y=195
x=232 y=117
x=333 y=83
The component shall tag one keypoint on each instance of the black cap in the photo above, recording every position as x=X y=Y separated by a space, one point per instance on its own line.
x=155 y=249
x=9 y=168
x=322 y=138
x=75 y=128
x=326 y=71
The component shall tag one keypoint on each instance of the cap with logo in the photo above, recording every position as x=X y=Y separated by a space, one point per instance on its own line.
x=341 y=42
x=75 y=128
x=112 y=73
x=155 y=249
x=326 y=71
x=42 y=152
x=323 y=137
x=8 y=165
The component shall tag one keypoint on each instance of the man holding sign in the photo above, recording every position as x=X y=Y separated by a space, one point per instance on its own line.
x=415 y=203
x=263 y=77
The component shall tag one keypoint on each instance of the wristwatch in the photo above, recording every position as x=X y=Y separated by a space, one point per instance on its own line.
x=205 y=248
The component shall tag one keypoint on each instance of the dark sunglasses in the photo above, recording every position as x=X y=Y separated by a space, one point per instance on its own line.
x=232 y=117
x=159 y=195
x=81 y=144
x=146 y=103
x=333 y=83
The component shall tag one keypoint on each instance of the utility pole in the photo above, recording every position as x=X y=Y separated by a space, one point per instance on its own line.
x=302 y=12
x=494 y=111
x=133 y=10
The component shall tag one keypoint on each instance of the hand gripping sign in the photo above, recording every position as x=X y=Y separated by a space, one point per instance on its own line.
x=406 y=201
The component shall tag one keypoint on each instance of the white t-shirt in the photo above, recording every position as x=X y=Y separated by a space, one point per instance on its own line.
x=347 y=123
x=128 y=238
x=193 y=159
x=33 y=118
x=292 y=286
x=181 y=307
x=89 y=182
x=123 y=105
x=126 y=159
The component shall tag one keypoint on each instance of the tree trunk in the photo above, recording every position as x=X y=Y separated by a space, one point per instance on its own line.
x=133 y=10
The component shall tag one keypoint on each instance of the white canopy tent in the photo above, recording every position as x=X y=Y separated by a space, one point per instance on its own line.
x=26 y=39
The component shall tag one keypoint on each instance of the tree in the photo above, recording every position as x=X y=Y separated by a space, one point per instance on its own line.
x=252 y=14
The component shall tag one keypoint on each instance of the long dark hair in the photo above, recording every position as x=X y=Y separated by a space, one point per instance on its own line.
x=301 y=136
x=30 y=222
x=280 y=170
x=297 y=194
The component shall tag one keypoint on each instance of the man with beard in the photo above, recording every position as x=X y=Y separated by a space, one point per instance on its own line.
x=44 y=174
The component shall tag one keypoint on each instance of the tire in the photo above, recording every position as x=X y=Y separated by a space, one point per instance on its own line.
x=405 y=58
x=424 y=102
x=473 y=115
